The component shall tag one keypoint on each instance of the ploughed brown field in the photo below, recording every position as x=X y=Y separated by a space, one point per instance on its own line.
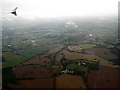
x=74 y=56
x=36 y=83
x=71 y=55
x=36 y=72
x=39 y=60
x=75 y=48
x=33 y=68
x=69 y=81
x=31 y=71
x=106 y=77
x=97 y=50
x=102 y=52
x=58 y=57
x=54 y=50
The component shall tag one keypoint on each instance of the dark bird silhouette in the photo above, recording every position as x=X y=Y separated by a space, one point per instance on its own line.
x=14 y=11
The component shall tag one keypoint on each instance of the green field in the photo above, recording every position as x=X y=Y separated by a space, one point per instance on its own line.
x=118 y=47
x=0 y=65
x=56 y=69
x=36 y=50
x=76 y=67
x=12 y=60
x=86 y=46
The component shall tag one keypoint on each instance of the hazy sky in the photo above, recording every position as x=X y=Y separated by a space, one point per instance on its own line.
x=55 y=8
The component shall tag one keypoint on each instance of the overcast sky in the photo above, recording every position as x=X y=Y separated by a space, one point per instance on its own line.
x=56 y=8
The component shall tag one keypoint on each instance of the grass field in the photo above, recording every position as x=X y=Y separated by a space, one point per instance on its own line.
x=107 y=63
x=86 y=46
x=12 y=60
x=56 y=69
x=0 y=65
x=76 y=67
x=36 y=50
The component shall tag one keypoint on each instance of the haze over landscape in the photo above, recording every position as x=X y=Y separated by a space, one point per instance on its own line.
x=57 y=8
x=60 y=44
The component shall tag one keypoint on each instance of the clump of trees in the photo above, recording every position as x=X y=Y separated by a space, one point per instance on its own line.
x=93 y=66
x=8 y=77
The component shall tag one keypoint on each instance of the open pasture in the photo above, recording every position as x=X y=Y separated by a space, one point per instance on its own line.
x=12 y=59
x=86 y=46
x=31 y=52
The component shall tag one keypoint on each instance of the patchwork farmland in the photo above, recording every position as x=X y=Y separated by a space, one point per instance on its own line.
x=61 y=53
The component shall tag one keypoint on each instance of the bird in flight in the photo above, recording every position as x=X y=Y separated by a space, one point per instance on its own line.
x=14 y=11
